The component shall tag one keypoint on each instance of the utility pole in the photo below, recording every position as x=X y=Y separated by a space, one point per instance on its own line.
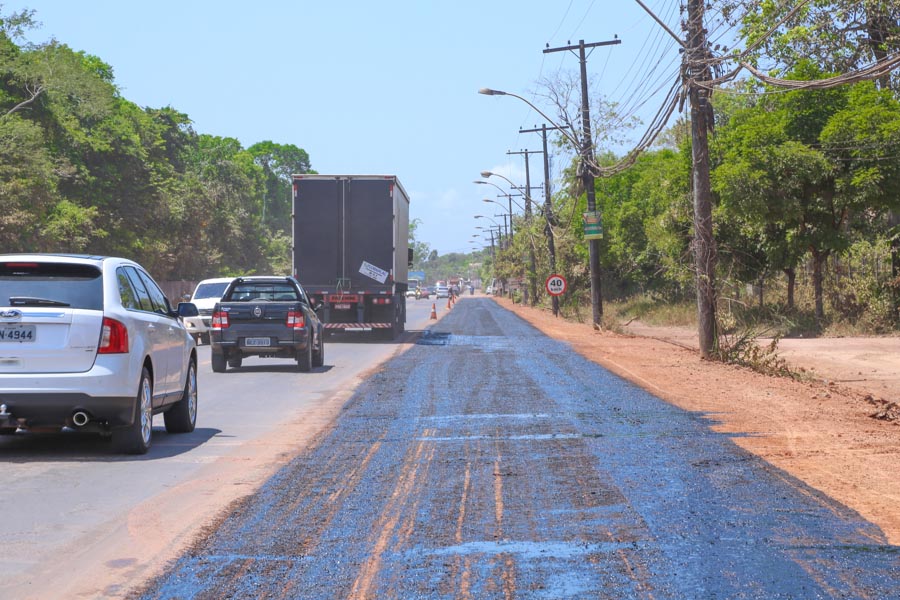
x=532 y=268
x=696 y=69
x=548 y=207
x=587 y=173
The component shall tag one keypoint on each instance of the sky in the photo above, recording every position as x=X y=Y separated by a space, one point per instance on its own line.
x=370 y=87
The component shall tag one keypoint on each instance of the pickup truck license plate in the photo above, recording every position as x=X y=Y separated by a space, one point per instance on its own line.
x=17 y=333
x=258 y=341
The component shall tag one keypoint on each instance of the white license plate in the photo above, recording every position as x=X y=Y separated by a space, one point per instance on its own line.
x=258 y=341
x=17 y=333
x=342 y=307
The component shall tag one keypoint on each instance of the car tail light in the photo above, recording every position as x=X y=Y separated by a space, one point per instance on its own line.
x=296 y=319
x=113 y=337
x=220 y=320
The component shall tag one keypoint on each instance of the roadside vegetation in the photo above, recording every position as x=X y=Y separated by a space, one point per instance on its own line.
x=805 y=184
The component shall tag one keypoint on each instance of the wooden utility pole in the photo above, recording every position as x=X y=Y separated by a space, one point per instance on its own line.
x=587 y=173
x=548 y=207
x=532 y=267
x=696 y=69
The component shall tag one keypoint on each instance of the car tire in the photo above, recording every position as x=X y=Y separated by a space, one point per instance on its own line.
x=137 y=437
x=319 y=356
x=182 y=417
x=305 y=358
x=219 y=364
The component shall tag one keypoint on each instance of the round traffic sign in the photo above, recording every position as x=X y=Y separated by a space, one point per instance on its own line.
x=556 y=285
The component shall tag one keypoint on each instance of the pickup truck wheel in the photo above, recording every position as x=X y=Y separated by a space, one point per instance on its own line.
x=319 y=355
x=182 y=417
x=136 y=438
x=305 y=358
x=218 y=362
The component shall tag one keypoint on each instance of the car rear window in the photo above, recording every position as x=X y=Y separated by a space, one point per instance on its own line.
x=250 y=291
x=51 y=284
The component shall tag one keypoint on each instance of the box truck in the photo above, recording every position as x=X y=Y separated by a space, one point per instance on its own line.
x=351 y=250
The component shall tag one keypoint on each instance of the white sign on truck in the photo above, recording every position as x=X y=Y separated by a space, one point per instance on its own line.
x=370 y=270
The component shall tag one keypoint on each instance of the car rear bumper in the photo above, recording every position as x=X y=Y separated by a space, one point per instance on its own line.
x=106 y=393
x=58 y=409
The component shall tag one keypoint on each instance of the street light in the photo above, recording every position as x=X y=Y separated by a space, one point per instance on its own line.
x=490 y=92
x=587 y=165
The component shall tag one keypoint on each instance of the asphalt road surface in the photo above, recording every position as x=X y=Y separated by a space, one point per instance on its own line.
x=80 y=521
x=489 y=461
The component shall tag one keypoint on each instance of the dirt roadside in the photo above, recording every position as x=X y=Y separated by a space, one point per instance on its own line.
x=822 y=431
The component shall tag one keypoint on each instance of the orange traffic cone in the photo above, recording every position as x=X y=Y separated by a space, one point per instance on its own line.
x=433 y=311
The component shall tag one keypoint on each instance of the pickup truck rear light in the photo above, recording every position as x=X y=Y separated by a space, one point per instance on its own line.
x=296 y=319
x=113 y=337
x=220 y=320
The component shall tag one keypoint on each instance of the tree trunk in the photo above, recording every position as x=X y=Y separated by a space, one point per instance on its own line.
x=818 y=279
x=791 y=285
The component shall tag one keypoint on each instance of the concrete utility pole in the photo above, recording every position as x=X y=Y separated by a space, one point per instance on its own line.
x=587 y=173
x=532 y=268
x=548 y=207
x=696 y=69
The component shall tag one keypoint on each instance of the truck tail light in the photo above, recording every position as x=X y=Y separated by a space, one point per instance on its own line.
x=113 y=337
x=381 y=301
x=220 y=320
x=296 y=319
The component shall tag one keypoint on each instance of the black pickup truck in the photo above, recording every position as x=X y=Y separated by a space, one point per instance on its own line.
x=266 y=316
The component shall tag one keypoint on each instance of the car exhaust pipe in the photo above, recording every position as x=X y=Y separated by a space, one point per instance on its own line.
x=80 y=418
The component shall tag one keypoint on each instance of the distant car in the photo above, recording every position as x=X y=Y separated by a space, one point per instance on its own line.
x=441 y=291
x=206 y=294
x=93 y=344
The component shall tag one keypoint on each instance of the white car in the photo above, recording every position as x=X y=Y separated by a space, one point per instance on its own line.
x=441 y=291
x=92 y=343
x=206 y=294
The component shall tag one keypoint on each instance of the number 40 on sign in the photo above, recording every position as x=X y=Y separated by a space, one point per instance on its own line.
x=556 y=285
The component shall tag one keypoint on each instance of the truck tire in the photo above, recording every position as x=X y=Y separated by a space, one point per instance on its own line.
x=136 y=438
x=305 y=358
x=218 y=362
x=182 y=417
x=318 y=358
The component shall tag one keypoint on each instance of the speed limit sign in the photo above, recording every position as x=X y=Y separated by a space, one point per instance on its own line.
x=556 y=285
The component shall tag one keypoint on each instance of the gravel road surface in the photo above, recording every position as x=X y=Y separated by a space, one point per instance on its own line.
x=489 y=461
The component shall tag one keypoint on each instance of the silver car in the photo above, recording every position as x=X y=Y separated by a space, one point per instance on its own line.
x=93 y=344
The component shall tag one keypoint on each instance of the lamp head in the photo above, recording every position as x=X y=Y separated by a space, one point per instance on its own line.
x=490 y=92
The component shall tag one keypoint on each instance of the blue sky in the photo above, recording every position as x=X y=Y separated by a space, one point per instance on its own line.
x=373 y=87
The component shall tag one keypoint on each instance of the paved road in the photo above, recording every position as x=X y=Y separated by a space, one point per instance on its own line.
x=489 y=461
x=81 y=521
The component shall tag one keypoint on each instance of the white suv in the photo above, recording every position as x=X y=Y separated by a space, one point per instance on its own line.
x=206 y=294
x=92 y=343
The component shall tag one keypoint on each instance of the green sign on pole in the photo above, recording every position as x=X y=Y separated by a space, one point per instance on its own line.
x=593 y=228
